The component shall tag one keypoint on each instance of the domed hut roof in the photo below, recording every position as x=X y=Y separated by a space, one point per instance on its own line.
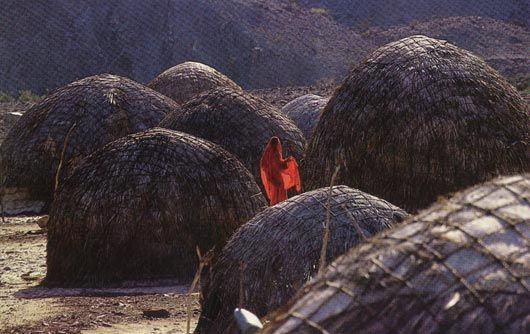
x=91 y=112
x=280 y=251
x=419 y=118
x=183 y=81
x=239 y=122
x=461 y=266
x=137 y=209
x=305 y=112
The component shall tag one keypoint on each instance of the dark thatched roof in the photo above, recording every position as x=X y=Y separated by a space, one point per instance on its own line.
x=97 y=110
x=239 y=122
x=137 y=208
x=305 y=112
x=420 y=118
x=461 y=266
x=280 y=251
x=183 y=81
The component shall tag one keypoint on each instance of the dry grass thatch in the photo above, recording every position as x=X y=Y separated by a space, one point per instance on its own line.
x=278 y=251
x=305 y=112
x=461 y=266
x=98 y=110
x=417 y=119
x=137 y=209
x=239 y=122
x=183 y=81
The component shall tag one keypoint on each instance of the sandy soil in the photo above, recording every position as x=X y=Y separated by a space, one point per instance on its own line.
x=26 y=307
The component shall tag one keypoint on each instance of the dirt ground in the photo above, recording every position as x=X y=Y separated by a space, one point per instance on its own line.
x=26 y=307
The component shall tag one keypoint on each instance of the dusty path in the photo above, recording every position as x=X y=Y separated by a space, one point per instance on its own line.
x=27 y=308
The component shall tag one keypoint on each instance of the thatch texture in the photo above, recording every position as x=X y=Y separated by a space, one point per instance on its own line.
x=305 y=112
x=137 y=209
x=239 y=122
x=280 y=251
x=183 y=81
x=95 y=110
x=461 y=266
x=420 y=118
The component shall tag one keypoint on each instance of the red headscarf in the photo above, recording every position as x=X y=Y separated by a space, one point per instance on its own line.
x=278 y=174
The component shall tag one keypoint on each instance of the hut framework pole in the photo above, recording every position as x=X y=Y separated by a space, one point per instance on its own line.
x=241 y=269
x=203 y=261
x=355 y=224
x=325 y=240
x=63 y=152
x=2 y=204
x=2 y=193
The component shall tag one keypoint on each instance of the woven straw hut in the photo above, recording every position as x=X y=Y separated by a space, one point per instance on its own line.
x=269 y=258
x=183 y=81
x=305 y=112
x=75 y=120
x=420 y=118
x=461 y=266
x=139 y=207
x=239 y=122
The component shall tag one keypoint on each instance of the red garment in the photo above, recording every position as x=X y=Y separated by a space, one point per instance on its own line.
x=278 y=174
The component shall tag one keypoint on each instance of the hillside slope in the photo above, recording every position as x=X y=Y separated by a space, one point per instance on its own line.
x=45 y=44
x=502 y=44
x=362 y=14
x=48 y=43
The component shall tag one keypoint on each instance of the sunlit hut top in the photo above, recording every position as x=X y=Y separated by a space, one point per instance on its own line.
x=279 y=250
x=137 y=209
x=305 y=112
x=241 y=123
x=93 y=111
x=461 y=266
x=183 y=81
x=420 y=118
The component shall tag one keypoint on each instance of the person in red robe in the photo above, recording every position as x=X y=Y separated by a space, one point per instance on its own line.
x=278 y=174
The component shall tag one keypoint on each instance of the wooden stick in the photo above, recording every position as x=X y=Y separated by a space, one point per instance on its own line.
x=241 y=268
x=355 y=224
x=58 y=173
x=2 y=204
x=203 y=262
x=325 y=240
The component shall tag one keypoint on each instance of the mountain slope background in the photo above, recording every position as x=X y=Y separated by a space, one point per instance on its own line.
x=362 y=14
x=503 y=45
x=45 y=44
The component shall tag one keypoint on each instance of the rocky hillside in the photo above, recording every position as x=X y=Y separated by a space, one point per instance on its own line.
x=45 y=44
x=362 y=14
x=48 y=43
x=504 y=45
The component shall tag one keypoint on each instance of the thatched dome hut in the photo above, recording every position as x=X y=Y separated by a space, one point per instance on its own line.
x=137 y=209
x=275 y=253
x=305 y=112
x=183 y=81
x=419 y=118
x=239 y=122
x=75 y=119
x=461 y=266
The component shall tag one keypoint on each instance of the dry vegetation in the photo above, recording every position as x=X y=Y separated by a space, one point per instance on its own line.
x=418 y=119
x=239 y=122
x=116 y=261
x=95 y=111
x=459 y=266
x=280 y=250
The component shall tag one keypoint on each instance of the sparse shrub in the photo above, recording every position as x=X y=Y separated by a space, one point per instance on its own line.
x=28 y=96
x=319 y=10
x=521 y=83
x=6 y=97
